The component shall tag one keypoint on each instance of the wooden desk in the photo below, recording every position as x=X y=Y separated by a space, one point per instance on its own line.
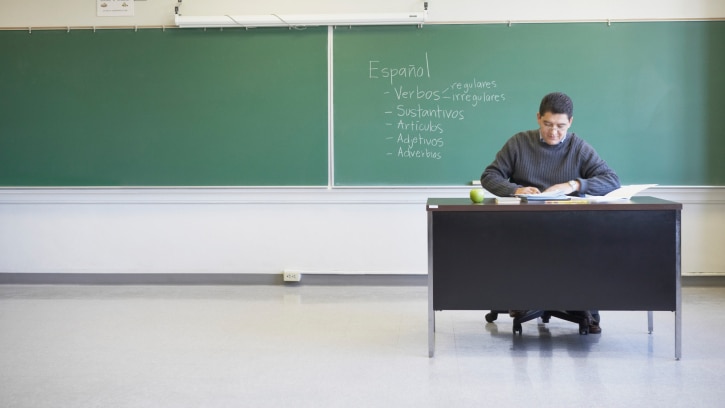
x=609 y=256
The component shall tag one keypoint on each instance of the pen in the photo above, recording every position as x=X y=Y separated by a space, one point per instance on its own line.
x=566 y=202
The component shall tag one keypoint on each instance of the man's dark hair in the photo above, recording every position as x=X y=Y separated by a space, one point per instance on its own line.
x=557 y=102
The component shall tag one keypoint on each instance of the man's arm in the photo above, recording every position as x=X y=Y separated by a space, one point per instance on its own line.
x=495 y=177
x=597 y=177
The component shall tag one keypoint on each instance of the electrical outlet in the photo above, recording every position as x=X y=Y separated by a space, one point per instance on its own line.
x=291 y=276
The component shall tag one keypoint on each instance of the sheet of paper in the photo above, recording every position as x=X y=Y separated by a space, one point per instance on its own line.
x=622 y=193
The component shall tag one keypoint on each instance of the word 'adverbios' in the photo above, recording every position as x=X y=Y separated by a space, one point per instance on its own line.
x=419 y=154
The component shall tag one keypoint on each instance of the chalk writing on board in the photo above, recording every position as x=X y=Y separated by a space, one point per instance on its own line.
x=417 y=93
x=418 y=126
x=421 y=110
x=434 y=112
x=377 y=70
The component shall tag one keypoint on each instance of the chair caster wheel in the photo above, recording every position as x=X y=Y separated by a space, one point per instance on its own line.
x=491 y=317
x=517 y=328
x=584 y=330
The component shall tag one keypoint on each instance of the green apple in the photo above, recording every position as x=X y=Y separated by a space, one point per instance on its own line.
x=476 y=195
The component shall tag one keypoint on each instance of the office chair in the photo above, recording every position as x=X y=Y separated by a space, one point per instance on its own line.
x=582 y=320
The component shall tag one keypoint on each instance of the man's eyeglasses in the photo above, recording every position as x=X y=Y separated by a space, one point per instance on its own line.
x=558 y=126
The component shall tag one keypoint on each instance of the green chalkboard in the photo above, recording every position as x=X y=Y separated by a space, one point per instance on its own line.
x=433 y=105
x=250 y=107
x=164 y=107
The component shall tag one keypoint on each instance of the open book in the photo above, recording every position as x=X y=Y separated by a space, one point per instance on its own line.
x=622 y=193
x=548 y=195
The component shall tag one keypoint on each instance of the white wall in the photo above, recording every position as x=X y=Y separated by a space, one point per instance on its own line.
x=82 y=13
x=265 y=231
x=268 y=230
x=223 y=231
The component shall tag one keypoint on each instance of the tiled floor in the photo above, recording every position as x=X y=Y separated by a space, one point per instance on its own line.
x=338 y=346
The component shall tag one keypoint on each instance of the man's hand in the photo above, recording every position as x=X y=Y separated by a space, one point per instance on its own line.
x=527 y=190
x=563 y=187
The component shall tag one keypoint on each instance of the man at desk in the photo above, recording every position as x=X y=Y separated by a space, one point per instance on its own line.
x=550 y=158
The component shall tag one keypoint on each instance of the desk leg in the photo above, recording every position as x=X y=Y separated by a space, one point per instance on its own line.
x=678 y=335
x=678 y=291
x=431 y=333
x=650 y=322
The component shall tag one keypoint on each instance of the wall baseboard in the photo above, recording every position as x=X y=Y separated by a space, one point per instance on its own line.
x=207 y=279
x=251 y=279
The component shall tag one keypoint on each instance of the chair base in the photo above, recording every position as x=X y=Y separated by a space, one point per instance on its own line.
x=583 y=320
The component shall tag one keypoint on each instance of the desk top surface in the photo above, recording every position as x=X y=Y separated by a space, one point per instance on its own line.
x=643 y=203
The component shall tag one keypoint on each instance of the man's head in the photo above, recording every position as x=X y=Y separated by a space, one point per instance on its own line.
x=557 y=102
x=555 y=116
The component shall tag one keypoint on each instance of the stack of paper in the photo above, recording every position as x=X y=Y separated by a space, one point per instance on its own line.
x=508 y=200
x=549 y=195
